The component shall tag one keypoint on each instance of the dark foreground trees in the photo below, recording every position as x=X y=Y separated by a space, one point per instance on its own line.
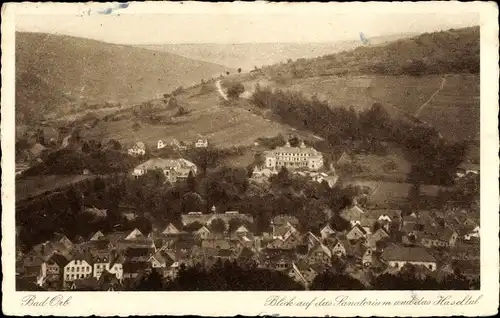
x=231 y=276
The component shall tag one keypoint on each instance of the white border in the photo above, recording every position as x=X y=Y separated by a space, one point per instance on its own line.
x=252 y=303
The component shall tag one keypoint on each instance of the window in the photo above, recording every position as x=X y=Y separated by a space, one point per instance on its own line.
x=396 y=265
x=67 y=276
x=78 y=269
x=430 y=266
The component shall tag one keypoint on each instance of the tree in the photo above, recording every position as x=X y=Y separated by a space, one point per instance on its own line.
x=239 y=70
x=151 y=282
x=191 y=182
x=181 y=111
x=218 y=226
x=85 y=147
x=227 y=73
x=414 y=197
x=235 y=90
x=294 y=141
x=114 y=144
x=332 y=281
x=172 y=103
x=136 y=126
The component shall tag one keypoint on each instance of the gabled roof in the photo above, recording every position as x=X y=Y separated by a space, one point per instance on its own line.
x=283 y=219
x=352 y=213
x=358 y=227
x=140 y=145
x=59 y=259
x=170 y=229
x=377 y=213
x=163 y=258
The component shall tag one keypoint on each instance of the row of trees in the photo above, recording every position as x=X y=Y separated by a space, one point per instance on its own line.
x=230 y=276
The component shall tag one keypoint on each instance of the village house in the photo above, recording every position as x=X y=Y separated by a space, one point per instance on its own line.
x=201 y=142
x=397 y=256
x=469 y=233
x=295 y=273
x=173 y=169
x=174 y=143
x=294 y=157
x=356 y=233
x=79 y=267
x=339 y=247
x=207 y=218
x=262 y=173
x=202 y=233
x=115 y=267
x=353 y=214
x=318 y=177
x=327 y=232
x=283 y=225
x=379 y=235
x=170 y=229
x=440 y=238
x=320 y=254
x=54 y=268
x=467 y=168
x=138 y=149
x=100 y=261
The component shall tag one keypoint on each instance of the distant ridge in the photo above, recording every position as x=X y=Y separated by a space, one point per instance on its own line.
x=248 y=55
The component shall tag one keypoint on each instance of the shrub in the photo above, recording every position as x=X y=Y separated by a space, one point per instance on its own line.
x=235 y=90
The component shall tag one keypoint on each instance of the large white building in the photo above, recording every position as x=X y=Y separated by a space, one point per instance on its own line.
x=294 y=157
x=174 y=169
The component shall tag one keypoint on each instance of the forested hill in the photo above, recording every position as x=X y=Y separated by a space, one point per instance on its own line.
x=451 y=51
x=60 y=73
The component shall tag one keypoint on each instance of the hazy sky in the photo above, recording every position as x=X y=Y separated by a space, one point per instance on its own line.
x=146 y=28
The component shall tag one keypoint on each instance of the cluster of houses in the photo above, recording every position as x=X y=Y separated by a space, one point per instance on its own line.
x=139 y=148
x=261 y=174
x=370 y=246
x=173 y=169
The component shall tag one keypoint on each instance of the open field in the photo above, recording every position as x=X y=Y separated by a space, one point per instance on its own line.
x=384 y=193
x=455 y=109
x=34 y=186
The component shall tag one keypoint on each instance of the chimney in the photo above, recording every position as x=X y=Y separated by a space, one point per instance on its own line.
x=302 y=144
x=214 y=210
x=287 y=144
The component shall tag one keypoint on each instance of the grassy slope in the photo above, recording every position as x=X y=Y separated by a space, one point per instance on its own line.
x=54 y=72
x=454 y=110
x=225 y=125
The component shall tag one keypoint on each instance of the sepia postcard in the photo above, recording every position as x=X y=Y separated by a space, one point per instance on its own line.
x=255 y=159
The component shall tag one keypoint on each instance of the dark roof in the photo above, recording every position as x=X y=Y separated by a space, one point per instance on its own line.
x=135 y=267
x=89 y=283
x=246 y=252
x=59 y=259
x=137 y=251
x=225 y=253
x=404 y=253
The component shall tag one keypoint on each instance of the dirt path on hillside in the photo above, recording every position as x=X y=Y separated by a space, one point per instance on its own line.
x=220 y=90
x=443 y=82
